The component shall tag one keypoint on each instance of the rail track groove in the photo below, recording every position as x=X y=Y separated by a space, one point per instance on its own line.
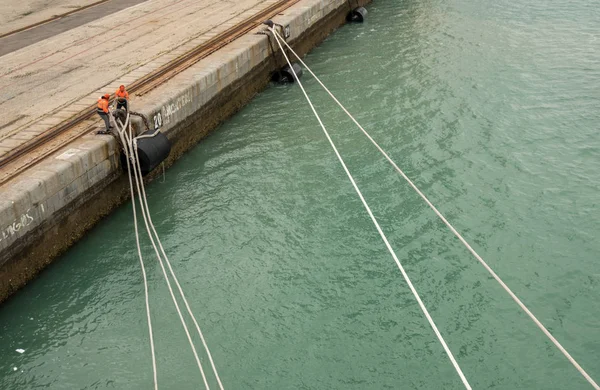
x=139 y=87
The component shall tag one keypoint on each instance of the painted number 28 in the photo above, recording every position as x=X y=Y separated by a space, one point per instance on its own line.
x=157 y=121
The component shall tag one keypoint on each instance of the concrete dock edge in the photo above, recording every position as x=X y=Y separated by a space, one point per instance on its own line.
x=49 y=207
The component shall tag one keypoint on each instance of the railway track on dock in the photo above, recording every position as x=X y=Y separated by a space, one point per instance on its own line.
x=20 y=159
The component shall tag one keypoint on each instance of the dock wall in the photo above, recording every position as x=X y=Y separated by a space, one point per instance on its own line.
x=47 y=208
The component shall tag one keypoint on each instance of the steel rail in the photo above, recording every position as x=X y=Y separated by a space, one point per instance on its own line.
x=141 y=86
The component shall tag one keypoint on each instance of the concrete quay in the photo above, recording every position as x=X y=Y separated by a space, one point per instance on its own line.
x=15 y=15
x=47 y=82
x=49 y=206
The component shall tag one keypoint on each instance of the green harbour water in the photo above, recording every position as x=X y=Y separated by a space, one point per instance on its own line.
x=491 y=107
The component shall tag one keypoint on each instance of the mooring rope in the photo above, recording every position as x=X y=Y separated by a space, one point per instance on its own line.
x=381 y=233
x=137 y=241
x=187 y=332
x=130 y=152
x=456 y=233
x=185 y=301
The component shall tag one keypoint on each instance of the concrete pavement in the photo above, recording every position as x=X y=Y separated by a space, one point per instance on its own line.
x=81 y=16
x=48 y=82
x=18 y=14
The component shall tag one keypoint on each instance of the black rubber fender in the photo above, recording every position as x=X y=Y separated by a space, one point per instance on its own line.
x=151 y=151
x=357 y=15
x=286 y=74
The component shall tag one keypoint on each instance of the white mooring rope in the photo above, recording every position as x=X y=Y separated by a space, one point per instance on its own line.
x=128 y=143
x=185 y=328
x=456 y=233
x=137 y=241
x=185 y=301
x=384 y=238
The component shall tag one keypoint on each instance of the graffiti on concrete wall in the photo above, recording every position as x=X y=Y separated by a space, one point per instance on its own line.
x=12 y=229
x=168 y=111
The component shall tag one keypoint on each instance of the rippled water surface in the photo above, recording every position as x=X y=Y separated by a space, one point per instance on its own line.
x=492 y=107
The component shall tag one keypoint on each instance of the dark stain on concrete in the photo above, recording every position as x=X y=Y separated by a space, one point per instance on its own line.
x=24 y=38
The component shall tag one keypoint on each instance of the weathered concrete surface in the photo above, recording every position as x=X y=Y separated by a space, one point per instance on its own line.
x=17 y=14
x=48 y=82
x=79 y=17
x=51 y=205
